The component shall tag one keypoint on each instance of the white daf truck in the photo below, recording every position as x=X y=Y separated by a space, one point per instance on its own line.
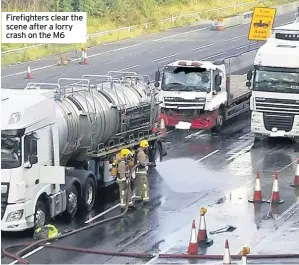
x=58 y=145
x=275 y=85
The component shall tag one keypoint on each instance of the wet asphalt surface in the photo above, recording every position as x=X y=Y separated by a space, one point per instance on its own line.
x=188 y=178
x=201 y=170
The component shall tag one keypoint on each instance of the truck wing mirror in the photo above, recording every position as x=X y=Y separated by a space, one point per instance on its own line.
x=156 y=84
x=33 y=159
x=248 y=84
x=218 y=80
x=249 y=75
x=157 y=76
x=218 y=88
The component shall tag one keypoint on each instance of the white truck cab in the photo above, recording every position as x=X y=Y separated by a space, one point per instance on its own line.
x=275 y=85
x=28 y=169
x=201 y=94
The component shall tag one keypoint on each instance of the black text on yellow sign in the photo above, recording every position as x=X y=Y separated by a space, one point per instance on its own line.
x=261 y=23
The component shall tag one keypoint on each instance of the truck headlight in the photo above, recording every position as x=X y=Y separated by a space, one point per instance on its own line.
x=15 y=216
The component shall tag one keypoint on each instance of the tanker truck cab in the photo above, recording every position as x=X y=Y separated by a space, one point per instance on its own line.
x=275 y=85
x=196 y=94
x=30 y=170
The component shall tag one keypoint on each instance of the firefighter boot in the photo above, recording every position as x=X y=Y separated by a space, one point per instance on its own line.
x=145 y=188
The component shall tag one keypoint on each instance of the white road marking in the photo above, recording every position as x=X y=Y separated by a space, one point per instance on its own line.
x=208 y=155
x=285 y=23
x=235 y=38
x=243 y=136
x=166 y=57
x=103 y=213
x=29 y=254
x=241 y=152
x=129 y=67
x=248 y=45
x=194 y=134
x=202 y=47
x=212 y=56
x=113 y=50
x=170 y=131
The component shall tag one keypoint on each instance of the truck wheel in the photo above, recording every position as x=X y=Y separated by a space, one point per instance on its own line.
x=41 y=215
x=157 y=156
x=88 y=194
x=219 y=122
x=71 y=203
x=258 y=141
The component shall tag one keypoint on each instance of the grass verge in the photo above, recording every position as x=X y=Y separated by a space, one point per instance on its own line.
x=183 y=15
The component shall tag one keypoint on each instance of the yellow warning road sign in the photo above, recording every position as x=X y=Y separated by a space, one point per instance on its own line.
x=261 y=23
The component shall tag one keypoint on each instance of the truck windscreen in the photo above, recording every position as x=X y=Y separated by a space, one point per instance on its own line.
x=186 y=79
x=275 y=79
x=11 y=153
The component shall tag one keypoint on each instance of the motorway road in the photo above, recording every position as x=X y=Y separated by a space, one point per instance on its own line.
x=219 y=170
x=143 y=54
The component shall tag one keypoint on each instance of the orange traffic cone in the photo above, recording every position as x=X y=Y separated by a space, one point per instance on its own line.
x=84 y=59
x=275 y=198
x=296 y=178
x=193 y=246
x=257 y=196
x=155 y=129
x=226 y=256
x=202 y=237
x=162 y=126
x=29 y=75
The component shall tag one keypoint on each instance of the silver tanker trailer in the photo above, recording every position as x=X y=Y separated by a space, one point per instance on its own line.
x=59 y=142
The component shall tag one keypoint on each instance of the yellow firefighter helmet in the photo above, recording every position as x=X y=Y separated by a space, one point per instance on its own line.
x=144 y=144
x=124 y=153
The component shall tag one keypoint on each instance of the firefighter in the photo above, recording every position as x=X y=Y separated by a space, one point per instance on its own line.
x=141 y=181
x=122 y=179
x=45 y=232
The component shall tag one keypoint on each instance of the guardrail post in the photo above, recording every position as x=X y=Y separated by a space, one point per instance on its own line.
x=172 y=19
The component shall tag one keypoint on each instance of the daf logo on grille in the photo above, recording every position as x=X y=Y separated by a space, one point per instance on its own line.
x=260 y=98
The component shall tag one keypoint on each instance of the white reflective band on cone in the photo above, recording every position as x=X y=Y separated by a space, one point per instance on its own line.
x=258 y=185
x=202 y=223
x=275 y=185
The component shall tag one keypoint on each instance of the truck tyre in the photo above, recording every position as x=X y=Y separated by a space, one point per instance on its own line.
x=219 y=121
x=71 y=202
x=258 y=141
x=88 y=194
x=157 y=155
x=41 y=215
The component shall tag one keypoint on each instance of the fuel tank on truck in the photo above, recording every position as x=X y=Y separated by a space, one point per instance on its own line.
x=89 y=116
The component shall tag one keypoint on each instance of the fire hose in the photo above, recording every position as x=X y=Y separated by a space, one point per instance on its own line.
x=30 y=245
x=17 y=256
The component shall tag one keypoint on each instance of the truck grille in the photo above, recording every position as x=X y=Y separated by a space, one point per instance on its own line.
x=198 y=103
x=273 y=105
x=282 y=122
x=4 y=198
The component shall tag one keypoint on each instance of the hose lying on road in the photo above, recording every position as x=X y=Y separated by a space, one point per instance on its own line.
x=31 y=245
x=220 y=257
x=18 y=256
x=163 y=256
